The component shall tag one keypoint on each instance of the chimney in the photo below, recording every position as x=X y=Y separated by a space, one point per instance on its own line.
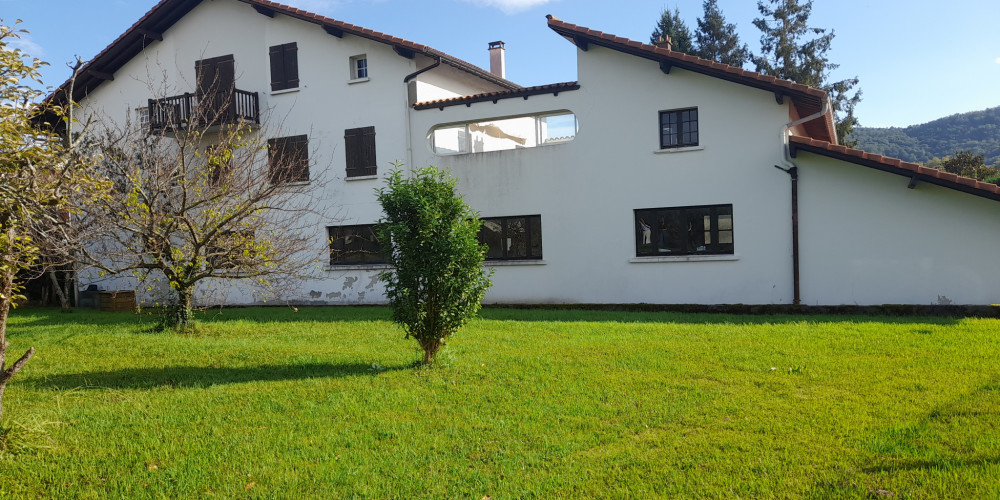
x=664 y=42
x=498 y=63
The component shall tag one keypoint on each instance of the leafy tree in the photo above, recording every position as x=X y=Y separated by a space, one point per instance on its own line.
x=671 y=25
x=966 y=164
x=39 y=171
x=792 y=50
x=718 y=40
x=437 y=281
x=200 y=202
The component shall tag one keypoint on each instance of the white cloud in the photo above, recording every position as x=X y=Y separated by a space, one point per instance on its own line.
x=998 y=60
x=509 y=6
x=25 y=45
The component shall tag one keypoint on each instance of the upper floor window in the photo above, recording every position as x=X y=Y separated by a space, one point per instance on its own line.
x=504 y=133
x=284 y=66
x=706 y=229
x=142 y=118
x=360 y=149
x=352 y=245
x=359 y=67
x=288 y=159
x=679 y=128
x=512 y=238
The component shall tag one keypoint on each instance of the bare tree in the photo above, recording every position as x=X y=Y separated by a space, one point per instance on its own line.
x=39 y=175
x=200 y=195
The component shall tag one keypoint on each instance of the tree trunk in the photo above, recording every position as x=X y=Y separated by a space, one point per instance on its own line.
x=6 y=291
x=431 y=348
x=179 y=316
x=60 y=292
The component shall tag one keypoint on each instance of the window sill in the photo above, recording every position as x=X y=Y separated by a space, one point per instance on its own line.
x=361 y=177
x=358 y=80
x=284 y=91
x=678 y=150
x=684 y=258
x=357 y=267
x=524 y=262
x=293 y=184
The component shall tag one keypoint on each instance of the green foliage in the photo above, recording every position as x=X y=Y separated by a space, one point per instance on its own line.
x=671 y=25
x=717 y=40
x=977 y=132
x=437 y=281
x=966 y=164
x=792 y=50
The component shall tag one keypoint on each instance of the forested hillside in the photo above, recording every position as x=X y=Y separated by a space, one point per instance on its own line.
x=978 y=132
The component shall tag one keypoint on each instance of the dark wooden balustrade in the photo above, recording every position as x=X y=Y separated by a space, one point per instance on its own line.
x=193 y=110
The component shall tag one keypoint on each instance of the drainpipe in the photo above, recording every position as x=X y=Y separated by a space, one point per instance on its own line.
x=793 y=171
x=409 y=110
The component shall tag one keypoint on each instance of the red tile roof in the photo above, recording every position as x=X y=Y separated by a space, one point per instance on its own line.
x=808 y=100
x=895 y=166
x=554 y=88
x=164 y=14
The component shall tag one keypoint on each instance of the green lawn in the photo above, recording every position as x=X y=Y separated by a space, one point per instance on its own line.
x=327 y=403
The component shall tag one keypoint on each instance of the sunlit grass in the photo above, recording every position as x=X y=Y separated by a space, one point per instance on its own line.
x=330 y=403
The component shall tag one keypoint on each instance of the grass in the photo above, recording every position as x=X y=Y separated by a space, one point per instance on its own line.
x=329 y=403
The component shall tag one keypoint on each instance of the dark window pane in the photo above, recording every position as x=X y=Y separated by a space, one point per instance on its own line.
x=517 y=238
x=535 y=236
x=684 y=230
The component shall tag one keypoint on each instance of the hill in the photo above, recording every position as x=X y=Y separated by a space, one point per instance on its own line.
x=977 y=131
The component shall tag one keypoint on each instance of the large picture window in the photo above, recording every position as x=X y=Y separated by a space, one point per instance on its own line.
x=512 y=238
x=679 y=128
x=701 y=230
x=354 y=245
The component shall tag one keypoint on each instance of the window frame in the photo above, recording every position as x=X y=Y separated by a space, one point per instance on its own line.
x=355 y=70
x=504 y=226
x=369 y=258
x=656 y=224
x=284 y=64
x=275 y=157
x=360 y=152
x=683 y=128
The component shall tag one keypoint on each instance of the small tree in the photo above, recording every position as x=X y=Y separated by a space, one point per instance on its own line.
x=202 y=200
x=429 y=234
x=966 y=164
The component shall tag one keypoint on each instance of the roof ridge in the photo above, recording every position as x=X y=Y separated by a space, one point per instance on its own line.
x=165 y=9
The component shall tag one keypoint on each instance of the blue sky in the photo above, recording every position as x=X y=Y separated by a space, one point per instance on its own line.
x=917 y=60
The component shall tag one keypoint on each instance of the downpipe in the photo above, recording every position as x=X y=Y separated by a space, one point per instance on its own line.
x=792 y=170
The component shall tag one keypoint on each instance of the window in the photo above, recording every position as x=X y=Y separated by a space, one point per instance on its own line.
x=679 y=128
x=354 y=245
x=284 y=67
x=231 y=250
x=360 y=149
x=359 y=67
x=142 y=118
x=288 y=159
x=684 y=231
x=512 y=238
x=500 y=134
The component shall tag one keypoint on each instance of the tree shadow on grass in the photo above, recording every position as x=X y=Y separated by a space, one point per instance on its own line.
x=207 y=376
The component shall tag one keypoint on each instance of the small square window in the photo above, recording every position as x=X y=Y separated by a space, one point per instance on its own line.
x=679 y=128
x=359 y=67
x=288 y=159
x=142 y=118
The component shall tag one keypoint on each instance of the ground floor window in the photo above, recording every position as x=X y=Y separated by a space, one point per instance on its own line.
x=706 y=229
x=354 y=245
x=512 y=238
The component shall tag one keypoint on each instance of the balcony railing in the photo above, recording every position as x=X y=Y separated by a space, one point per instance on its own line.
x=192 y=110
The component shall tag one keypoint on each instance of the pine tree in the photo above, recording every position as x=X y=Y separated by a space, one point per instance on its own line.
x=671 y=25
x=717 y=40
x=788 y=52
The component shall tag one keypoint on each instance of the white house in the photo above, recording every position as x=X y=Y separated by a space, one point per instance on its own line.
x=657 y=177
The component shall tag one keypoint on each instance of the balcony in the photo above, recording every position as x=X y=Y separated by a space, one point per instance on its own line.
x=188 y=111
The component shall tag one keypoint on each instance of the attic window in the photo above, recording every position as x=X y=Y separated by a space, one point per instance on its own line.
x=501 y=134
x=359 y=68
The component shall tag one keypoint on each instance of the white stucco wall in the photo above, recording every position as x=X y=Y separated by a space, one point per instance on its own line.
x=867 y=239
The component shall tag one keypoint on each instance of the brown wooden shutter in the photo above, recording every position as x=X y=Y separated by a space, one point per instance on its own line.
x=288 y=159
x=284 y=66
x=360 y=149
